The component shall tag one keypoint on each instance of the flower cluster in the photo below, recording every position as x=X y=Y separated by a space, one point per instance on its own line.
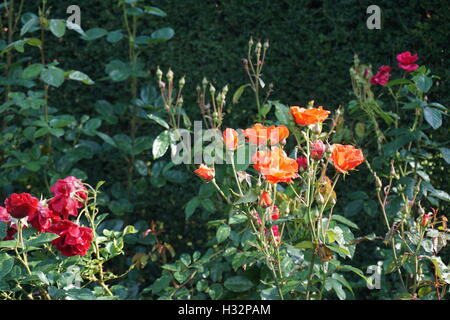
x=69 y=194
x=405 y=62
x=274 y=166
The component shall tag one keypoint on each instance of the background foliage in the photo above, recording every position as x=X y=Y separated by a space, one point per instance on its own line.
x=312 y=44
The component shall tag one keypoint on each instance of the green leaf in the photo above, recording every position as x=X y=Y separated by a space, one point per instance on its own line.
x=237 y=219
x=53 y=76
x=445 y=154
x=32 y=71
x=80 y=76
x=41 y=239
x=238 y=93
x=141 y=167
x=114 y=36
x=161 y=35
x=32 y=22
x=73 y=26
x=3 y=229
x=424 y=83
x=250 y=196
x=161 y=144
x=345 y=221
x=58 y=27
x=398 y=82
x=118 y=70
x=94 y=33
x=190 y=207
x=6 y=264
x=223 y=232
x=304 y=245
x=158 y=120
x=433 y=116
x=106 y=138
x=282 y=113
x=10 y=244
x=215 y=291
x=154 y=11
x=238 y=284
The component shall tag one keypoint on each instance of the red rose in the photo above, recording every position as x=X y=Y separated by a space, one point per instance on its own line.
x=73 y=239
x=69 y=187
x=406 y=61
x=302 y=163
x=12 y=230
x=42 y=218
x=317 y=150
x=65 y=206
x=382 y=77
x=21 y=205
x=4 y=215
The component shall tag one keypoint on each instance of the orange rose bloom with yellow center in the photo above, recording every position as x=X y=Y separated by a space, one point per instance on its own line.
x=346 y=157
x=306 y=117
x=275 y=165
x=259 y=134
x=205 y=172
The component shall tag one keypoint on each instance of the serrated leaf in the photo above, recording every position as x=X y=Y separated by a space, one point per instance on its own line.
x=161 y=144
x=433 y=116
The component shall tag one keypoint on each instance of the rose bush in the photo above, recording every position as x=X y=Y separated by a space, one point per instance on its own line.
x=37 y=240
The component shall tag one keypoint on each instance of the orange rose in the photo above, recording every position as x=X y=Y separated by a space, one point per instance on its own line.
x=205 y=172
x=275 y=165
x=265 y=200
x=346 y=157
x=305 y=117
x=231 y=138
x=259 y=134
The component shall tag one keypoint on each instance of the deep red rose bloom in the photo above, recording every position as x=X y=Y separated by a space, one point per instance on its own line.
x=406 y=61
x=65 y=206
x=4 y=215
x=12 y=230
x=302 y=163
x=317 y=149
x=42 y=218
x=21 y=205
x=382 y=77
x=69 y=187
x=73 y=239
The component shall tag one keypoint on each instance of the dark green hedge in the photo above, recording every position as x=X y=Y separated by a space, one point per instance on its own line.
x=312 y=44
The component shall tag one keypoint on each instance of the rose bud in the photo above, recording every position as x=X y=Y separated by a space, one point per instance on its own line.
x=302 y=163
x=205 y=172
x=265 y=200
x=426 y=219
x=317 y=150
x=275 y=213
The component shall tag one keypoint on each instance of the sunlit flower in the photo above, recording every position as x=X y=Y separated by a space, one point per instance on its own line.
x=275 y=165
x=346 y=157
x=406 y=61
x=259 y=134
x=205 y=172
x=306 y=117
x=231 y=138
